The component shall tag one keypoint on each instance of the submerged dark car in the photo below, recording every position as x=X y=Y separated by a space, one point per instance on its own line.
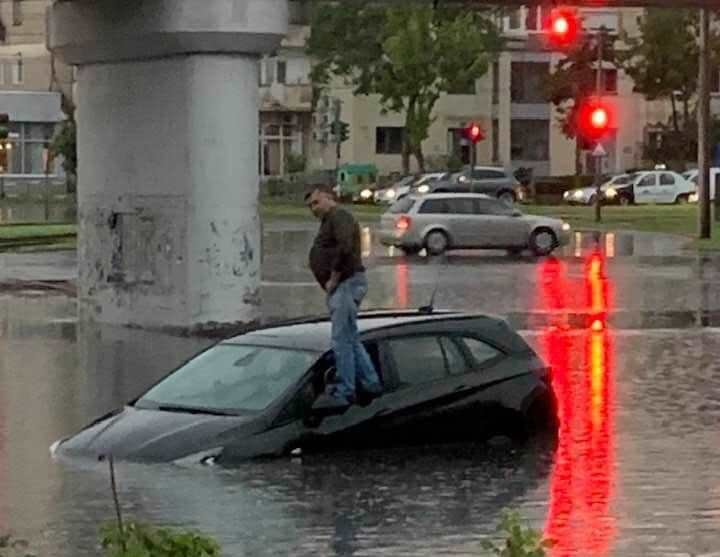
x=447 y=376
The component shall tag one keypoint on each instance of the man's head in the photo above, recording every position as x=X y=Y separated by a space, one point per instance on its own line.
x=320 y=201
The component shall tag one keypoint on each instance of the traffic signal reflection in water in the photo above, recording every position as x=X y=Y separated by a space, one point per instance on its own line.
x=580 y=519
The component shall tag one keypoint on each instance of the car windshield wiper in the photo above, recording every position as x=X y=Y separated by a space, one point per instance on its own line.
x=192 y=410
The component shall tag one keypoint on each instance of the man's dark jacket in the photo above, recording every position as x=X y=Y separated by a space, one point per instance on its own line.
x=336 y=247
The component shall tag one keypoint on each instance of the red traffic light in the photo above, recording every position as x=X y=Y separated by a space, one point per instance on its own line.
x=599 y=118
x=563 y=27
x=474 y=132
x=595 y=120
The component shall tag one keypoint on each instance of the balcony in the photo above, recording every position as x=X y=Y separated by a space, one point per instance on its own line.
x=280 y=97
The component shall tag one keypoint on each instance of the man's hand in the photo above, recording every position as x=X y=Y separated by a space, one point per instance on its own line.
x=332 y=284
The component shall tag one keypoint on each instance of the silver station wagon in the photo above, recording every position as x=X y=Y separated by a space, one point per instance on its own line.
x=445 y=221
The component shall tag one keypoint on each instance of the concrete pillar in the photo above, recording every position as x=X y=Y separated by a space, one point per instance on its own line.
x=167 y=114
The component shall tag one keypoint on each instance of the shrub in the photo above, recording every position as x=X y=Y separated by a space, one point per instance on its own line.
x=142 y=540
x=519 y=541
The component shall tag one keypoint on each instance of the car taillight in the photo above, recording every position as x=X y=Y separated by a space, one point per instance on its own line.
x=403 y=223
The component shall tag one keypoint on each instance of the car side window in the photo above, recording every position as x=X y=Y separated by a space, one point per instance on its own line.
x=461 y=206
x=491 y=207
x=418 y=359
x=648 y=180
x=667 y=179
x=480 y=351
x=456 y=362
x=434 y=207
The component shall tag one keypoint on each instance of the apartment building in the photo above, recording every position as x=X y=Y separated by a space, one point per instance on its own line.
x=521 y=127
x=30 y=88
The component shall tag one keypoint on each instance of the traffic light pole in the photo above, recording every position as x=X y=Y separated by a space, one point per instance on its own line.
x=598 y=157
x=704 y=216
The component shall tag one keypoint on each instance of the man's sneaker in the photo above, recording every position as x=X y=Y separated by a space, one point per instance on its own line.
x=366 y=396
x=326 y=403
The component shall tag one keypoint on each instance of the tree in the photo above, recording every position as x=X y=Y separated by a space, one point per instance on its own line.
x=572 y=81
x=664 y=65
x=409 y=55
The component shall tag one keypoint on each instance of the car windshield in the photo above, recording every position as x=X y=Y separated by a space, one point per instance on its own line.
x=621 y=180
x=230 y=378
x=401 y=206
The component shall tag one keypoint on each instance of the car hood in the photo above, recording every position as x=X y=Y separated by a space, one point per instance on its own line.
x=140 y=434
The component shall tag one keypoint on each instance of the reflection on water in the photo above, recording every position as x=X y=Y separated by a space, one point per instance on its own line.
x=583 y=477
x=635 y=470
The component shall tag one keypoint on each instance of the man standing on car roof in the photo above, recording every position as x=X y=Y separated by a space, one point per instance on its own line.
x=336 y=262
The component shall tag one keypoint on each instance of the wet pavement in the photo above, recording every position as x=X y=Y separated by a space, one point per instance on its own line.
x=628 y=323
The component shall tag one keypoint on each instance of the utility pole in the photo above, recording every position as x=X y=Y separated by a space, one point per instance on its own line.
x=598 y=93
x=337 y=134
x=704 y=216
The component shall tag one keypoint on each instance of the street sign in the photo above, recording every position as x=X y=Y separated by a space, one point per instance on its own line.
x=599 y=151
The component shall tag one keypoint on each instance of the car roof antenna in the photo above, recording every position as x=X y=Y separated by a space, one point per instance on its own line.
x=431 y=306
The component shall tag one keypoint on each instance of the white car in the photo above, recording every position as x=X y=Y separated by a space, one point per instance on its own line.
x=609 y=190
x=661 y=186
x=692 y=176
x=415 y=184
x=390 y=195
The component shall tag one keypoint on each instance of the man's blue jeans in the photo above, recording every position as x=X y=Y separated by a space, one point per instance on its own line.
x=352 y=362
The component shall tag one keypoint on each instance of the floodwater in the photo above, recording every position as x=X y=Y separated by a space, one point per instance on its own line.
x=627 y=322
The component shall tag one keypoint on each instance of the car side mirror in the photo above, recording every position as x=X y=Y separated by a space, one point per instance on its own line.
x=517 y=213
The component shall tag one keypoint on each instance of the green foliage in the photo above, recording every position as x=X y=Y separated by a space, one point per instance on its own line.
x=574 y=80
x=295 y=162
x=141 y=540
x=12 y=547
x=65 y=144
x=409 y=55
x=519 y=541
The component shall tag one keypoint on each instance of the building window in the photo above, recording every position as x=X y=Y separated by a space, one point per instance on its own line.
x=17 y=12
x=530 y=140
x=281 y=71
x=28 y=143
x=610 y=81
x=388 y=141
x=18 y=73
x=267 y=71
x=527 y=80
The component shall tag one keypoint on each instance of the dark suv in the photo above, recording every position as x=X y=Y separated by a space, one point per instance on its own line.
x=490 y=180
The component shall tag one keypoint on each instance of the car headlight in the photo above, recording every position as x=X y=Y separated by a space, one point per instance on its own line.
x=424 y=188
x=567 y=194
x=366 y=194
x=463 y=179
x=565 y=227
x=390 y=194
x=578 y=194
x=203 y=457
x=611 y=192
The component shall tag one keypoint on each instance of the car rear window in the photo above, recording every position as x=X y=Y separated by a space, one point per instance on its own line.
x=402 y=205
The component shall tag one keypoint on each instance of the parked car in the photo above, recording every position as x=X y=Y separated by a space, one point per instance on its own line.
x=494 y=181
x=443 y=221
x=447 y=376
x=424 y=183
x=660 y=186
x=399 y=188
x=692 y=177
x=613 y=191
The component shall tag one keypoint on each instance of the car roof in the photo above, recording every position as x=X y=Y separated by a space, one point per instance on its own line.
x=448 y=195
x=314 y=333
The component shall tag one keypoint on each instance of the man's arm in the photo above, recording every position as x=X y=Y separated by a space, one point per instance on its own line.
x=343 y=227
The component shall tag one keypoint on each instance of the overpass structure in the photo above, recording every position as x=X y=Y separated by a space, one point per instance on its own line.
x=167 y=119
